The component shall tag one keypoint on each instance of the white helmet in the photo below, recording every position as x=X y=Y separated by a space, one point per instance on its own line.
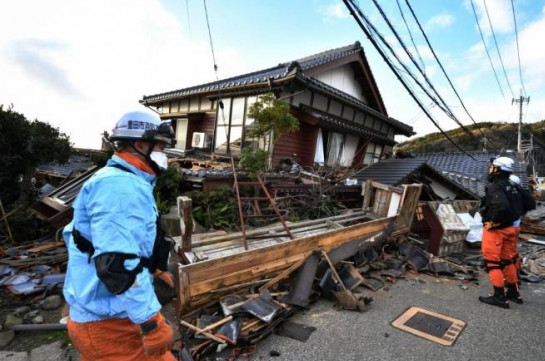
x=515 y=179
x=504 y=163
x=140 y=125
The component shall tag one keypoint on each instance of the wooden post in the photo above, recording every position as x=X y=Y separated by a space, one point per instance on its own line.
x=186 y=221
x=5 y=217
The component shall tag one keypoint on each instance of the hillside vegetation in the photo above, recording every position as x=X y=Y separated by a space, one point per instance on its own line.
x=501 y=136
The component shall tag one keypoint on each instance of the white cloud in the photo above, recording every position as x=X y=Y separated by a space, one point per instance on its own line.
x=332 y=12
x=83 y=65
x=500 y=13
x=443 y=20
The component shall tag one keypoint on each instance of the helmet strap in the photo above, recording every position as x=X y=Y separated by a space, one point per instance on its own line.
x=147 y=157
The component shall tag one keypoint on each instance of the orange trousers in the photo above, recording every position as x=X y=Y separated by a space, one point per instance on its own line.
x=110 y=340
x=499 y=246
x=518 y=261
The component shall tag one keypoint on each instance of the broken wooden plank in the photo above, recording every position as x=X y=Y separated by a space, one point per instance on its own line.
x=220 y=267
x=214 y=325
x=282 y=275
x=206 y=334
x=293 y=227
x=46 y=247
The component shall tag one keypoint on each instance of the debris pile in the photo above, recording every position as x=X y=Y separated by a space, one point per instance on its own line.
x=33 y=269
x=347 y=275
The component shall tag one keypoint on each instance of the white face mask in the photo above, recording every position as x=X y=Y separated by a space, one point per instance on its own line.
x=160 y=159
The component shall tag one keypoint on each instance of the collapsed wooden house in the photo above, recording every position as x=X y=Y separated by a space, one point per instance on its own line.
x=333 y=94
x=230 y=268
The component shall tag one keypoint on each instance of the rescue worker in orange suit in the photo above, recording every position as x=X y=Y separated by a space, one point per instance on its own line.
x=502 y=206
x=111 y=241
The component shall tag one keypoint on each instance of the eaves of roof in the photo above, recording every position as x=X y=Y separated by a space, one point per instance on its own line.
x=332 y=122
x=323 y=87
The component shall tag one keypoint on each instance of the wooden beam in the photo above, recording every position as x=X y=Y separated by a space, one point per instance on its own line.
x=282 y=275
x=186 y=221
x=220 y=267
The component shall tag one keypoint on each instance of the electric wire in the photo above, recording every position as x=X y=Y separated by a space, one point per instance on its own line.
x=518 y=49
x=445 y=107
x=486 y=49
x=210 y=37
x=219 y=101
x=497 y=48
x=441 y=66
x=411 y=35
x=406 y=70
x=188 y=18
x=351 y=6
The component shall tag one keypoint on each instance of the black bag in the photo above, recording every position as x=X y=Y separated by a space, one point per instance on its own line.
x=528 y=202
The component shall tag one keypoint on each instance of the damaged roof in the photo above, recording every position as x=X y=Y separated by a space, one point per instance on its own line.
x=276 y=72
x=395 y=172
x=294 y=70
x=467 y=172
x=76 y=164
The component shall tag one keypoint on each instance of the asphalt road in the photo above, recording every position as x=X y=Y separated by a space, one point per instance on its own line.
x=491 y=333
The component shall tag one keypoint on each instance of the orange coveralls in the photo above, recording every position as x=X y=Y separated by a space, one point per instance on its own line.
x=499 y=247
x=110 y=340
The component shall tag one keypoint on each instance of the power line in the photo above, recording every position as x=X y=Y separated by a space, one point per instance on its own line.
x=406 y=70
x=518 y=51
x=188 y=18
x=441 y=65
x=486 y=48
x=351 y=6
x=410 y=35
x=497 y=48
x=219 y=101
x=445 y=107
x=210 y=37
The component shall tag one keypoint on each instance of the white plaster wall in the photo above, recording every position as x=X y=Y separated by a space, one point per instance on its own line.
x=343 y=78
x=181 y=133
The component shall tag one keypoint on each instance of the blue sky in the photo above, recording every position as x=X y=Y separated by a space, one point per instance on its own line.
x=79 y=65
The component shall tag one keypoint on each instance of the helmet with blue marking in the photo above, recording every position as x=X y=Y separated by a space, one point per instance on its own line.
x=139 y=125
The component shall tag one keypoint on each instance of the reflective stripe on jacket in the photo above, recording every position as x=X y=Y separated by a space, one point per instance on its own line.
x=116 y=211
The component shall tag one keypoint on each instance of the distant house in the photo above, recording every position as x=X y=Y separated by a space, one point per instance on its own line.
x=333 y=94
x=471 y=173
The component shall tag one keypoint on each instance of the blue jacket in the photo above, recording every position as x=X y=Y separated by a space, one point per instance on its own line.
x=116 y=211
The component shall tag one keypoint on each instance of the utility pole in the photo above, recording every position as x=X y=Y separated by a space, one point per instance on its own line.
x=520 y=100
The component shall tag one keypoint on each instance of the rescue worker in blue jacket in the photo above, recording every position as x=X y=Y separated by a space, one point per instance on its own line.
x=114 y=311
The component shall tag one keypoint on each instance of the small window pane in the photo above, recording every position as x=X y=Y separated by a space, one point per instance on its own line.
x=319 y=102
x=250 y=102
x=368 y=122
x=194 y=104
x=359 y=118
x=335 y=108
x=206 y=103
x=238 y=111
x=184 y=105
x=377 y=124
x=348 y=113
x=367 y=159
x=236 y=139
x=221 y=139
